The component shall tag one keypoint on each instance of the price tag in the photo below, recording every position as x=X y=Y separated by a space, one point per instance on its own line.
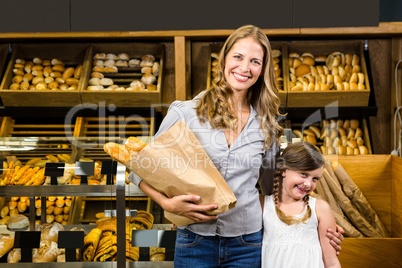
x=71 y=240
x=54 y=170
x=109 y=167
x=26 y=241
x=84 y=169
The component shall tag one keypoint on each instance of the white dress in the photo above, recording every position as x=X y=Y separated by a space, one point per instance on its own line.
x=287 y=246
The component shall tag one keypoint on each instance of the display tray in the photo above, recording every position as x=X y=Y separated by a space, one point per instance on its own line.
x=334 y=97
x=4 y=49
x=281 y=65
x=379 y=177
x=71 y=54
x=363 y=126
x=123 y=77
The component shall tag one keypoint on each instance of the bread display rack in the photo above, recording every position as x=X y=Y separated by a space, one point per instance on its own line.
x=139 y=60
x=30 y=63
x=304 y=85
x=64 y=74
x=23 y=148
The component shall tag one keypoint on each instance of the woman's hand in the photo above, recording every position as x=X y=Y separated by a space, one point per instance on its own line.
x=183 y=205
x=336 y=238
x=186 y=205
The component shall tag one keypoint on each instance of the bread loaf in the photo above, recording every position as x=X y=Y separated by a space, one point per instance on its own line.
x=50 y=231
x=18 y=222
x=14 y=256
x=47 y=252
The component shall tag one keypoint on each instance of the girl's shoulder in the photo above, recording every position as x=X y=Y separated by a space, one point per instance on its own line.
x=322 y=207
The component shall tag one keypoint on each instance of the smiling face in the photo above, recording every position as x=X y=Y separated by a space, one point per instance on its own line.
x=297 y=184
x=244 y=64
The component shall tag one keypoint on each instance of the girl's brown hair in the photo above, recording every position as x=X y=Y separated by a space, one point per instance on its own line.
x=300 y=156
x=215 y=105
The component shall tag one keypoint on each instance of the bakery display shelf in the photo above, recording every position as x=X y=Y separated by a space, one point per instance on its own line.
x=305 y=125
x=340 y=98
x=72 y=54
x=67 y=190
x=123 y=77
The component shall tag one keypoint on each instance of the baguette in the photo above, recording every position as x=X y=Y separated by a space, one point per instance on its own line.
x=6 y=244
x=123 y=153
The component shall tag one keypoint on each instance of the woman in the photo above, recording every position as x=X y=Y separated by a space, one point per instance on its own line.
x=236 y=123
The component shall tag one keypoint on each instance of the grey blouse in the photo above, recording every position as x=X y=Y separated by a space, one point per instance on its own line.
x=240 y=165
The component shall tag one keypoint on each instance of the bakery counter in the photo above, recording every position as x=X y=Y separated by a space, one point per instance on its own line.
x=138 y=264
x=69 y=190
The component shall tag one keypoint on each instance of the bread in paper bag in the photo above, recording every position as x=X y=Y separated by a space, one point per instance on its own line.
x=174 y=164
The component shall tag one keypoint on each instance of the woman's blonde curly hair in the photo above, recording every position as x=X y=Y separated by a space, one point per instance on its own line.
x=215 y=105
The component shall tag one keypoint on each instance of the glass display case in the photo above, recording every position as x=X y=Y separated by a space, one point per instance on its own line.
x=72 y=184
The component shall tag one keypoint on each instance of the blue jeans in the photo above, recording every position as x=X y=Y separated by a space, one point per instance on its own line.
x=196 y=251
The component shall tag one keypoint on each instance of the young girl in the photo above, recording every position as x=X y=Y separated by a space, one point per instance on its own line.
x=295 y=223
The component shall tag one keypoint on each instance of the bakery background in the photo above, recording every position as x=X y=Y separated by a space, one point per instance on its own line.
x=185 y=60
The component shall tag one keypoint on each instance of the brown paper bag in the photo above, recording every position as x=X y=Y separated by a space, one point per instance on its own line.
x=175 y=163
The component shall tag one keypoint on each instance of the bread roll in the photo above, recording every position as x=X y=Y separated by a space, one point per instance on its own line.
x=66 y=209
x=363 y=149
x=17 y=222
x=359 y=141
x=68 y=72
x=58 y=218
x=302 y=70
x=4 y=211
x=99 y=56
x=134 y=63
x=311 y=139
x=4 y=220
x=78 y=72
x=12 y=204
x=58 y=211
x=49 y=218
x=67 y=202
x=152 y=87
x=111 y=69
x=57 y=62
x=37 y=72
x=22 y=206
x=349 y=150
x=111 y=56
x=60 y=203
